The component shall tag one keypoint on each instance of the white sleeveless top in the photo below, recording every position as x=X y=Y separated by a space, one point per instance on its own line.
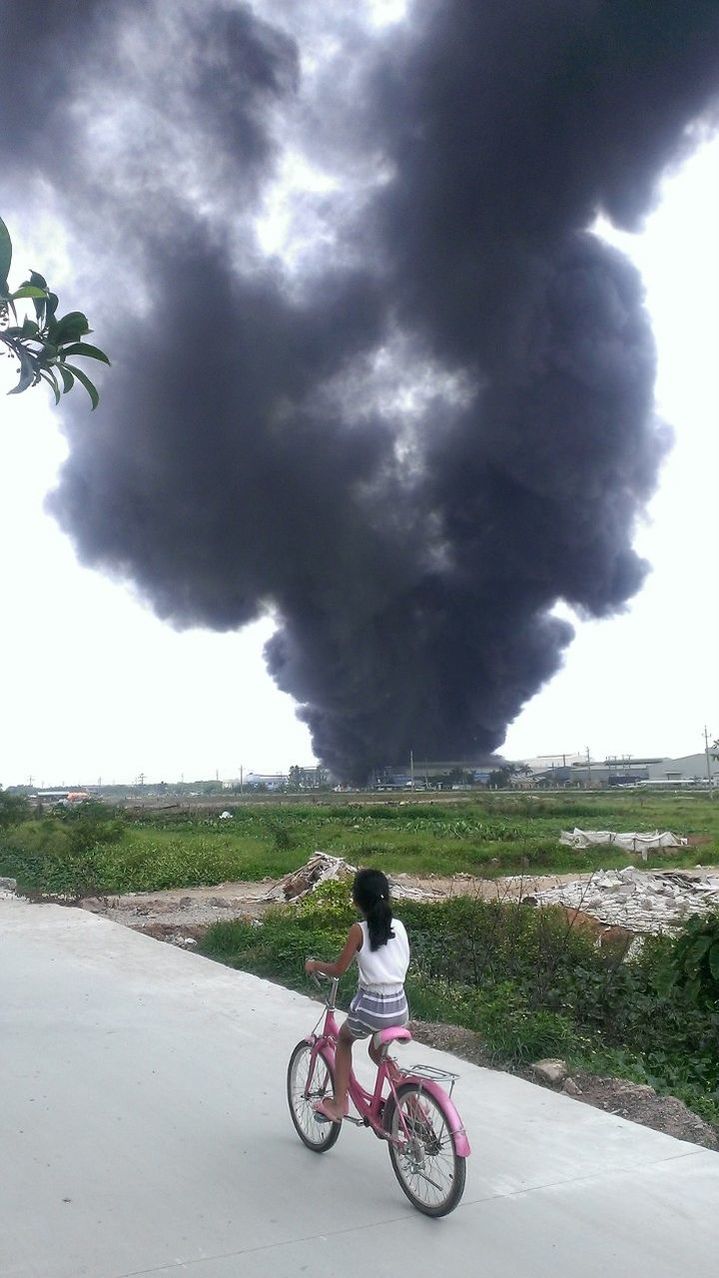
x=384 y=969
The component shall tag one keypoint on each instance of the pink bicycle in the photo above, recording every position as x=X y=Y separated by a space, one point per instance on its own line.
x=408 y=1108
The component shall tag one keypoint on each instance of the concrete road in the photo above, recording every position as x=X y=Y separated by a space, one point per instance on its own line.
x=144 y=1130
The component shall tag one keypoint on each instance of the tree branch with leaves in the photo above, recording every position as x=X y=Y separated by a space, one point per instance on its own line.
x=42 y=345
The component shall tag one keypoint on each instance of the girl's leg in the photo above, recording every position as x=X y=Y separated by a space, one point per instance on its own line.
x=336 y=1107
x=376 y=1056
x=343 y=1065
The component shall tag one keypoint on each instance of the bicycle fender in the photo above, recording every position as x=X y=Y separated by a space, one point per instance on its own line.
x=446 y=1104
x=321 y=1048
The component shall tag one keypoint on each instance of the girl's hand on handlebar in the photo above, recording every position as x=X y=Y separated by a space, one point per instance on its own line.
x=309 y=966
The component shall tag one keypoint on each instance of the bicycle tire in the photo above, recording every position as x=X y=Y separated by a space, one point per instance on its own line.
x=317 y=1136
x=430 y=1149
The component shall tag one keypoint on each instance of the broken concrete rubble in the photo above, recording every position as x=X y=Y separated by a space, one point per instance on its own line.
x=570 y=1088
x=550 y=1071
x=324 y=868
x=642 y=901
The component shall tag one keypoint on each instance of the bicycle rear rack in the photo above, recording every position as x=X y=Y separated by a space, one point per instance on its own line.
x=432 y=1074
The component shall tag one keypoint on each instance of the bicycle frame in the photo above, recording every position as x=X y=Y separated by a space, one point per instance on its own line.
x=369 y=1105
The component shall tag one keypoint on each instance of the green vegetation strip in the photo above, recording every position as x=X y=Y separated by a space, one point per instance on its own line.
x=527 y=982
x=95 y=850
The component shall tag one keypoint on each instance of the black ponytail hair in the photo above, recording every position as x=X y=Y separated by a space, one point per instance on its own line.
x=370 y=891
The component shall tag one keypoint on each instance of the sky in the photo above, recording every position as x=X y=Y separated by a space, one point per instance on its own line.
x=647 y=682
x=96 y=687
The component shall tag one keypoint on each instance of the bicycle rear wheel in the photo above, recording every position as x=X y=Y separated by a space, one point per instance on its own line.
x=303 y=1093
x=424 y=1160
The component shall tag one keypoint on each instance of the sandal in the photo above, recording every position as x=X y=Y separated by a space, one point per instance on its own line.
x=324 y=1116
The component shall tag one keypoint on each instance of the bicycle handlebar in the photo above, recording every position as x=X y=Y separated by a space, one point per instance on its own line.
x=331 y=994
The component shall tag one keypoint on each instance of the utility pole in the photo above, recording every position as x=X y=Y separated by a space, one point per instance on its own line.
x=242 y=779
x=709 y=766
x=589 y=770
x=563 y=756
x=411 y=770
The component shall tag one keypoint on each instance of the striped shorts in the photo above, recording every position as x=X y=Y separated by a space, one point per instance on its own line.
x=371 y=1011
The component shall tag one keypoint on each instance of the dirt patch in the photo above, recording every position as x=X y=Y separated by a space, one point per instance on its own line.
x=452 y=1038
x=188 y=908
x=184 y=937
x=184 y=909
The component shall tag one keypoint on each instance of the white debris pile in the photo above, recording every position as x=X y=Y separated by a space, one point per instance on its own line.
x=323 y=868
x=642 y=901
x=628 y=842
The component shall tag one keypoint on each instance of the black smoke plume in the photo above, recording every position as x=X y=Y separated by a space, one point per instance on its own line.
x=430 y=420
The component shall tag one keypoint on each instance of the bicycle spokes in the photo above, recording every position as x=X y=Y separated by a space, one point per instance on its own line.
x=422 y=1152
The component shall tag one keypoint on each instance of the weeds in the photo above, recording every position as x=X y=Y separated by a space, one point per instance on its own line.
x=525 y=980
x=491 y=836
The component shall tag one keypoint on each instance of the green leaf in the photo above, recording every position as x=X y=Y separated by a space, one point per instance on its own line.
x=85 y=380
x=29 y=328
x=52 y=303
x=28 y=290
x=27 y=372
x=5 y=251
x=71 y=327
x=692 y=990
x=84 y=348
x=666 y=978
x=696 y=953
x=37 y=278
x=68 y=380
x=714 y=960
x=49 y=377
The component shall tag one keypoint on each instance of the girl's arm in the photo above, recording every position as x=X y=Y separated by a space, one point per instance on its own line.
x=339 y=967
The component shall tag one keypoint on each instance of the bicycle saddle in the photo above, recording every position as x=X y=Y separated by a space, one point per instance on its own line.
x=397 y=1034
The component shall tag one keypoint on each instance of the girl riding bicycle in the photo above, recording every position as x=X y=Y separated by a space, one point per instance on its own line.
x=380 y=945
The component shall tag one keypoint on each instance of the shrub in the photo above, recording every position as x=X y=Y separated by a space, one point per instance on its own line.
x=13 y=809
x=692 y=964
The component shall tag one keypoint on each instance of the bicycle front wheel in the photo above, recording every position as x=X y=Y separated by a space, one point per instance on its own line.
x=424 y=1160
x=304 y=1092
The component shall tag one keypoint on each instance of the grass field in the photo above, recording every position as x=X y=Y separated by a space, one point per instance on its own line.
x=491 y=835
